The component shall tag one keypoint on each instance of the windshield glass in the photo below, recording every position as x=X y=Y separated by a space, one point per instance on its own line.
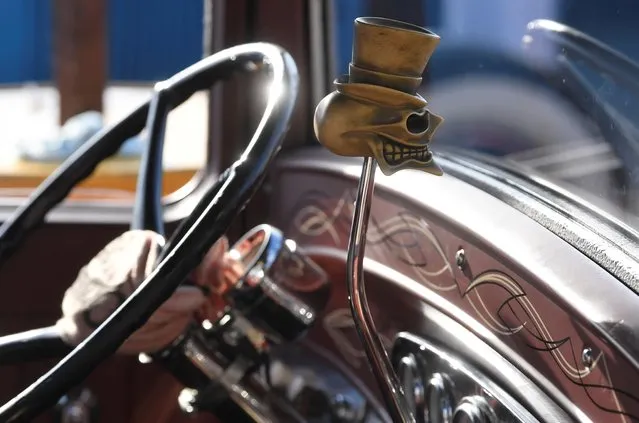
x=550 y=86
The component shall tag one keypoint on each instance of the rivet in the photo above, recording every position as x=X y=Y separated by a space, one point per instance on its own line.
x=460 y=258
x=587 y=357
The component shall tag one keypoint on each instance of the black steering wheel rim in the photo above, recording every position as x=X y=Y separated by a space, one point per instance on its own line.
x=210 y=219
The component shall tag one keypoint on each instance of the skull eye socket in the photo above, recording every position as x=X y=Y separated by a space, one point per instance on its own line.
x=416 y=124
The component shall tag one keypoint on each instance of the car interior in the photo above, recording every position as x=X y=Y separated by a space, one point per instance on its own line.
x=345 y=211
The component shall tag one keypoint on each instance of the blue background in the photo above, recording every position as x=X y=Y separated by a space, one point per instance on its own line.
x=148 y=39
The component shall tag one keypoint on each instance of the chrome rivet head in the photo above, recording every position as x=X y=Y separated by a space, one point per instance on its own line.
x=144 y=358
x=587 y=357
x=460 y=258
x=187 y=400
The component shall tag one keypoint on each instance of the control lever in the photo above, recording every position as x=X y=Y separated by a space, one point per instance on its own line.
x=281 y=290
x=376 y=113
x=274 y=296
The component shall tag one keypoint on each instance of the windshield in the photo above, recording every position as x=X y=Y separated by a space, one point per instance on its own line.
x=549 y=86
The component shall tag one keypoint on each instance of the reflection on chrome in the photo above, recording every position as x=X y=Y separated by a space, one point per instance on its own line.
x=280 y=290
x=456 y=392
x=440 y=397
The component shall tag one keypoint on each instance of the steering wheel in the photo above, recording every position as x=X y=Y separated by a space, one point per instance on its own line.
x=189 y=243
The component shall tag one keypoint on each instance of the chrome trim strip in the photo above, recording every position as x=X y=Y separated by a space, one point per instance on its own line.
x=596 y=233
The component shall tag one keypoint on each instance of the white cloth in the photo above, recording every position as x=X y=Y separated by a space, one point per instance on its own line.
x=114 y=273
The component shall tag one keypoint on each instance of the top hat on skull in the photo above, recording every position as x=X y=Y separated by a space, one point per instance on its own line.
x=375 y=110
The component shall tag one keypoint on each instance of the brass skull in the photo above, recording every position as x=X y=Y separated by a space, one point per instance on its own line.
x=362 y=120
x=375 y=110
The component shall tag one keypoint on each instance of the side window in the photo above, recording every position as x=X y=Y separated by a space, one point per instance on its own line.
x=66 y=72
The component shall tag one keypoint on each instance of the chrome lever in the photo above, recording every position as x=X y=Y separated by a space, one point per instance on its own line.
x=376 y=113
x=373 y=345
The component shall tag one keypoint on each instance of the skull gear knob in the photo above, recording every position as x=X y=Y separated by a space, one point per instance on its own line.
x=375 y=110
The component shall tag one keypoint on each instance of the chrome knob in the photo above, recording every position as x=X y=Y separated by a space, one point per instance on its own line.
x=281 y=290
x=440 y=399
x=411 y=377
x=474 y=409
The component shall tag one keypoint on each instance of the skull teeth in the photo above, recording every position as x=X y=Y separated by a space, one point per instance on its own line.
x=396 y=153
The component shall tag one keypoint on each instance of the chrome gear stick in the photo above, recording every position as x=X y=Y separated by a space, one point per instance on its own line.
x=376 y=113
